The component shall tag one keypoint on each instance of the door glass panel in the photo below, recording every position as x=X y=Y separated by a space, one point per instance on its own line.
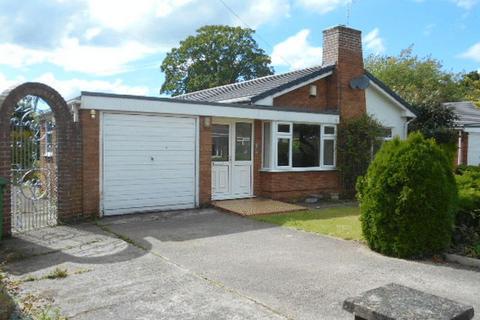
x=243 y=141
x=220 y=139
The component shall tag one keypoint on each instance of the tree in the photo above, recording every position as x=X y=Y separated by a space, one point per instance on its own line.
x=216 y=55
x=470 y=84
x=420 y=81
x=425 y=85
x=358 y=139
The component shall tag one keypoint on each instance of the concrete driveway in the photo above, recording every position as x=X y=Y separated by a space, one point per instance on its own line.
x=203 y=264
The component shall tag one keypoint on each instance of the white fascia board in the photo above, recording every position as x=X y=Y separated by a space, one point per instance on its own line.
x=471 y=129
x=268 y=101
x=197 y=109
x=407 y=112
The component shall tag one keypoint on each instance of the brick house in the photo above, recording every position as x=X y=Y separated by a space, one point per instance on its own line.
x=273 y=136
x=468 y=127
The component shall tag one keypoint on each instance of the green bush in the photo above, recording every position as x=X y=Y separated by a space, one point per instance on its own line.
x=357 y=140
x=467 y=220
x=408 y=198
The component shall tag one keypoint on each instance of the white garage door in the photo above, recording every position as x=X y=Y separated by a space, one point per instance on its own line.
x=473 y=156
x=148 y=163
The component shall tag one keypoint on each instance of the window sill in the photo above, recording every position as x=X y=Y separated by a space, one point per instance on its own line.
x=299 y=169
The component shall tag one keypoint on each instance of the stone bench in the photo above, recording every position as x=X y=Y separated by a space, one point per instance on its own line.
x=394 y=301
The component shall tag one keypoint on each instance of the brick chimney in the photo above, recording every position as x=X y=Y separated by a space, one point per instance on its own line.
x=342 y=46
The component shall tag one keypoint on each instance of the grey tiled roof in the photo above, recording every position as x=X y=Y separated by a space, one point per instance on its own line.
x=256 y=89
x=468 y=114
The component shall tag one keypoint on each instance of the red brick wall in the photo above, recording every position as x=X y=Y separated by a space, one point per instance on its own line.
x=91 y=160
x=343 y=46
x=205 y=179
x=300 y=98
x=290 y=185
x=257 y=158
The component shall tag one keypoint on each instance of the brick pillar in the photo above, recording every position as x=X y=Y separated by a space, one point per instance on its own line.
x=342 y=46
x=91 y=161
x=205 y=179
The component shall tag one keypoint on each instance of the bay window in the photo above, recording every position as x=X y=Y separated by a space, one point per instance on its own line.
x=298 y=146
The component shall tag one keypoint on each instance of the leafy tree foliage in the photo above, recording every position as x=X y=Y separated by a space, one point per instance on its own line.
x=408 y=198
x=471 y=86
x=358 y=139
x=420 y=81
x=216 y=55
x=424 y=84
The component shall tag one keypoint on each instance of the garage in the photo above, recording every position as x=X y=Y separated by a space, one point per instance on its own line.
x=149 y=163
x=473 y=156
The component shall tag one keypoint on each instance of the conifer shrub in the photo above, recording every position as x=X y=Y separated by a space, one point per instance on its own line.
x=408 y=198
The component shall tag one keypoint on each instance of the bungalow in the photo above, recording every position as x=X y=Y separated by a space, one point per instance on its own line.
x=468 y=126
x=273 y=136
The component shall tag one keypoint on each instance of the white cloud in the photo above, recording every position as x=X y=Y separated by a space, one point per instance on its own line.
x=105 y=37
x=72 y=56
x=297 y=52
x=429 y=29
x=472 y=53
x=322 y=6
x=72 y=87
x=373 y=42
x=465 y=4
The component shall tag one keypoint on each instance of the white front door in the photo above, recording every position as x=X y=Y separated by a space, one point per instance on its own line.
x=232 y=159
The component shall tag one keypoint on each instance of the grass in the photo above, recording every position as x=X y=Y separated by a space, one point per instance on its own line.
x=340 y=222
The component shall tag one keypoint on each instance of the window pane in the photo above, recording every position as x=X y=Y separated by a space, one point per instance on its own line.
x=329 y=130
x=220 y=139
x=328 y=152
x=306 y=145
x=283 y=150
x=243 y=141
x=285 y=128
x=386 y=133
x=266 y=144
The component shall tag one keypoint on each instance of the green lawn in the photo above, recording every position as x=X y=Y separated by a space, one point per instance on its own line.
x=341 y=222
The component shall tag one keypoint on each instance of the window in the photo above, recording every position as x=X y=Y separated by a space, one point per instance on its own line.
x=385 y=135
x=283 y=128
x=298 y=146
x=328 y=146
x=306 y=146
x=243 y=141
x=283 y=152
x=220 y=140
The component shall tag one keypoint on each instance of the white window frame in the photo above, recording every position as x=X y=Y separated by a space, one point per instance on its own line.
x=275 y=135
x=324 y=137
x=283 y=135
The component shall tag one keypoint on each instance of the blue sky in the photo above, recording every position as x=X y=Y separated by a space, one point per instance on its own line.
x=118 y=45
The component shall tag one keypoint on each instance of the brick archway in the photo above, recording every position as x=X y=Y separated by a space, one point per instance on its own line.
x=69 y=159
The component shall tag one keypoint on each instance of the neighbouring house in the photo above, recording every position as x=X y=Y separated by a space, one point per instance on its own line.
x=273 y=136
x=468 y=126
